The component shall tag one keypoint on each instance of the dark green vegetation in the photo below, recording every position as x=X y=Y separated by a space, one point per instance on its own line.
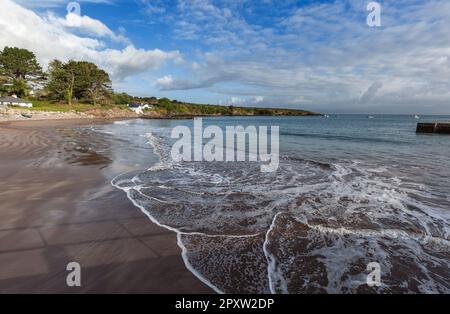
x=78 y=80
x=177 y=108
x=82 y=86
x=18 y=70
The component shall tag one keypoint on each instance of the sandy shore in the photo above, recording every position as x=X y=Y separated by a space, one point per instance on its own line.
x=8 y=114
x=57 y=206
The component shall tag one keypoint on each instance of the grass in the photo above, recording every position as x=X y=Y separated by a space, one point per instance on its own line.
x=39 y=105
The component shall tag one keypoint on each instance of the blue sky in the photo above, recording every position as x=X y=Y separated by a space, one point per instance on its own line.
x=319 y=55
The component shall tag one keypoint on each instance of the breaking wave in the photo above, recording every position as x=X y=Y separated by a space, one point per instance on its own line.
x=310 y=227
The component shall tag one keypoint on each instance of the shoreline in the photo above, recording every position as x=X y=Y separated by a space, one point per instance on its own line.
x=33 y=114
x=56 y=210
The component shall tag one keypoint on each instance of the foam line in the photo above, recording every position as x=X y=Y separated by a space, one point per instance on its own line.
x=346 y=181
x=179 y=235
x=191 y=268
x=270 y=258
x=390 y=233
x=155 y=221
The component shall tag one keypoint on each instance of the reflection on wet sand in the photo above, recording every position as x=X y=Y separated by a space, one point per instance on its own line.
x=57 y=206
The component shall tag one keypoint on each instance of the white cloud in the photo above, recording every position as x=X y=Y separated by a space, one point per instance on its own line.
x=236 y=101
x=55 y=3
x=323 y=55
x=241 y=101
x=259 y=99
x=169 y=83
x=165 y=82
x=52 y=38
x=130 y=61
x=86 y=25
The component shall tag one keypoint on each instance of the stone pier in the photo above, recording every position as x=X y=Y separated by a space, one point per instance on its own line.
x=434 y=127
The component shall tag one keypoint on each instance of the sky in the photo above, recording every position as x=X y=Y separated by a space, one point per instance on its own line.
x=305 y=54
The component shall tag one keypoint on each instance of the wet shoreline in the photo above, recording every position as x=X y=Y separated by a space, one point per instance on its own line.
x=57 y=206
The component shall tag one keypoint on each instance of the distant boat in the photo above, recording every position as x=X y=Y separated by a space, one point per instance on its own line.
x=371 y=117
x=416 y=117
x=327 y=116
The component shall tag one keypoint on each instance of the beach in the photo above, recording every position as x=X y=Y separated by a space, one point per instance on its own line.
x=335 y=207
x=224 y=148
x=58 y=206
x=108 y=195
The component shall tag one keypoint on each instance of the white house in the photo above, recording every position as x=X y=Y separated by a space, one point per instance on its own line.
x=14 y=101
x=139 y=107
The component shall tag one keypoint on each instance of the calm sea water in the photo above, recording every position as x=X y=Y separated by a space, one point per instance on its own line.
x=349 y=191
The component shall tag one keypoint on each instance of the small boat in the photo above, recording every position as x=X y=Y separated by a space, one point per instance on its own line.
x=370 y=117
x=416 y=117
x=327 y=116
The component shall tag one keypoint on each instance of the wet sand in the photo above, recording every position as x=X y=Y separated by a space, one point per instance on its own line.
x=55 y=210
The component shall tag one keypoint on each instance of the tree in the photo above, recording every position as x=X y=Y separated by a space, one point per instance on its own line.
x=98 y=83
x=19 y=87
x=18 y=70
x=58 y=84
x=122 y=98
x=79 y=80
x=3 y=82
x=61 y=80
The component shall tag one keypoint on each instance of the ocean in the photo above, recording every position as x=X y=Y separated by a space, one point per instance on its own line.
x=349 y=191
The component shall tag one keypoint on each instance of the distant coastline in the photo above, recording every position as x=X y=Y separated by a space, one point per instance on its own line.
x=80 y=89
x=160 y=109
